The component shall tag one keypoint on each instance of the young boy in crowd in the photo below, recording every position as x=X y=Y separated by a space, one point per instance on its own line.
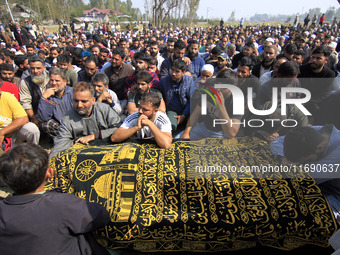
x=34 y=221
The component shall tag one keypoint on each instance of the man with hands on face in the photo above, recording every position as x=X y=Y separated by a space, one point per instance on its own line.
x=206 y=128
x=54 y=102
x=103 y=94
x=148 y=122
x=87 y=121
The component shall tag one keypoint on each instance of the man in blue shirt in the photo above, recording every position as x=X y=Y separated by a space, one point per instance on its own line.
x=176 y=91
x=54 y=102
x=179 y=52
x=196 y=61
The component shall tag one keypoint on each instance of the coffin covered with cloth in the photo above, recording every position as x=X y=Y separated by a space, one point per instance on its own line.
x=196 y=196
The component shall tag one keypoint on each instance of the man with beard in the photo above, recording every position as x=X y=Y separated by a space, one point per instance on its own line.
x=148 y=122
x=143 y=80
x=86 y=121
x=8 y=86
x=196 y=61
x=286 y=77
x=135 y=45
x=33 y=86
x=76 y=54
x=179 y=52
x=140 y=63
x=118 y=72
x=309 y=74
x=266 y=65
x=7 y=74
x=103 y=94
x=169 y=49
x=222 y=61
x=64 y=63
x=249 y=49
x=102 y=57
x=272 y=74
x=90 y=69
x=54 y=102
x=154 y=52
x=21 y=61
x=224 y=44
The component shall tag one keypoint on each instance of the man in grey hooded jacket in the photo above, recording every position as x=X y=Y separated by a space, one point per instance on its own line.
x=88 y=120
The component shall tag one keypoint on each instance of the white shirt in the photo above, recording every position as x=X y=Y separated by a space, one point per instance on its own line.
x=266 y=77
x=117 y=107
x=160 y=60
x=161 y=121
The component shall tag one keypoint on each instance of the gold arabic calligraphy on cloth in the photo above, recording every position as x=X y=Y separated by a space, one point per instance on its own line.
x=157 y=204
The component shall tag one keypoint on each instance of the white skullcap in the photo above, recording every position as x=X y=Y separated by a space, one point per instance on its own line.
x=332 y=45
x=208 y=67
x=269 y=39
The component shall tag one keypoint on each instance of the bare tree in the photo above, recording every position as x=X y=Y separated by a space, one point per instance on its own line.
x=165 y=10
x=192 y=9
x=161 y=10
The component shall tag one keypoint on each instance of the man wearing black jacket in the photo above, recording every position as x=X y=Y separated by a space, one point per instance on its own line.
x=267 y=63
x=21 y=35
x=248 y=50
x=311 y=73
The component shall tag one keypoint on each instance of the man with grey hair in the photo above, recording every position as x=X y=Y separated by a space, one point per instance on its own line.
x=33 y=86
x=231 y=51
x=103 y=94
x=54 y=102
x=86 y=121
x=21 y=35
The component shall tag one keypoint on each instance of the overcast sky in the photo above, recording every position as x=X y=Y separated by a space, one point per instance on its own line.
x=247 y=8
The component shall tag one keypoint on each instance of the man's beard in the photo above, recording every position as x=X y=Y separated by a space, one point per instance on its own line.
x=143 y=92
x=315 y=66
x=268 y=60
x=97 y=94
x=61 y=89
x=153 y=54
x=8 y=80
x=192 y=56
x=83 y=111
x=101 y=61
x=39 y=79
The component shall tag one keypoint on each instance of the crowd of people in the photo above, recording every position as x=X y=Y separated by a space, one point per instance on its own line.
x=109 y=82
